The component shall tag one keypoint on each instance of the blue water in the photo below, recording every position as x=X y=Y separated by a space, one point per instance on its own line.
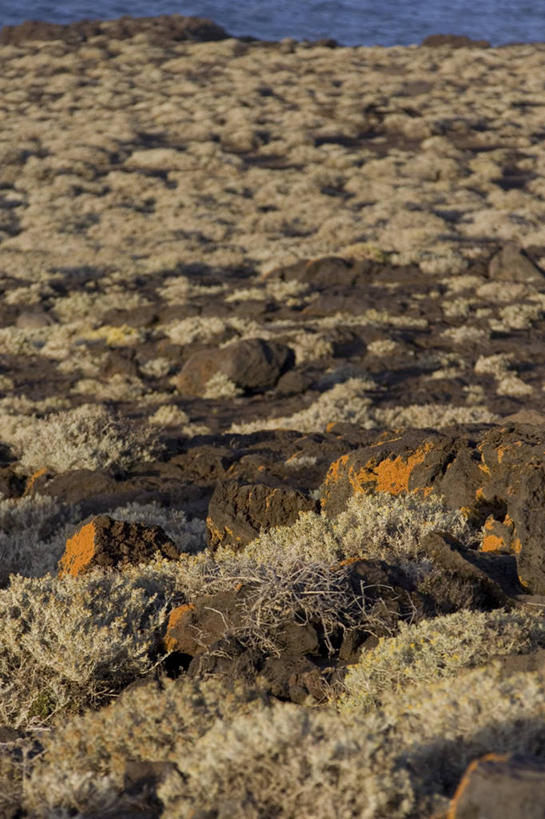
x=350 y=22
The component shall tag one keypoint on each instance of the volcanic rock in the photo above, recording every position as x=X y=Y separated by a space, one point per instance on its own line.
x=503 y=786
x=467 y=566
x=193 y=628
x=511 y=264
x=11 y=484
x=161 y=30
x=453 y=41
x=108 y=543
x=497 y=477
x=238 y=512
x=253 y=365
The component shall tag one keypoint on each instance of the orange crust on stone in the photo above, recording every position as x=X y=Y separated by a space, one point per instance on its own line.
x=33 y=478
x=503 y=448
x=464 y=782
x=516 y=546
x=176 y=615
x=79 y=551
x=492 y=543
x=390 y=475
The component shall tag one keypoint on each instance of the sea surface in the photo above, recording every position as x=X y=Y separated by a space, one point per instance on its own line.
x=350 y=22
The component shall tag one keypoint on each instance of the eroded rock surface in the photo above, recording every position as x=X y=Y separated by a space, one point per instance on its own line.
x=108 y=543
x=503 y=786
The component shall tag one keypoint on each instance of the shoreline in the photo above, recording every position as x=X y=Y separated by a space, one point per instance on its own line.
x=189 y=28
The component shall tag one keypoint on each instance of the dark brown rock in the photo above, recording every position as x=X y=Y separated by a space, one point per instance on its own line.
x=521 y=663
x=33 y=319
x=161 y=30
x=253 y=365
x=512 y=264
x=194 y=628
x=451 y=558
x=237 y=513
x=294 y=382
x=453 y=41
x=72 y=487
x=11 y=484
x=108 y=543
x=527 y=509
x=497 y=476
x=501 y=786
x=122 y=362
x=293 y=678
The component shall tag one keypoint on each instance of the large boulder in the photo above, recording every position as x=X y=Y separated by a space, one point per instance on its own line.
x=501 y=786
x=252 y=365
x=496 y=476
x=511 y=264
x=108 y=543
x=237 y=513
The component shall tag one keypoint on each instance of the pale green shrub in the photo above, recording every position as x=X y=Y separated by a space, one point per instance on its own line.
x=82 y=303
x=389 y=527
x=89 y=437
x=438 y=648
x=33 y=531
x=118 y=387
x=513 y=385
x=70 y=643
x=382 y=346
x=169 y=415
x=496 y=365
x=433 y=416
x=232 y=752
x=351 y=402
x=204 y=328
x=465 y=335
x=157 y=367
x=244 y=758
x=220 y=386
x=348 y=402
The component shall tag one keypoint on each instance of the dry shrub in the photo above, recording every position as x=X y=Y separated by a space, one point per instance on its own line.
x=437 y=648
x=277 y=593
x=239 y=756
x=67 y=644
x=389 y=527
x=89 y=437
x=33 y=531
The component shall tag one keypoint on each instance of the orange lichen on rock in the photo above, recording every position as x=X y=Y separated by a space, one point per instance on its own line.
x=177 y=617
x=390 y=475
x=493 y=543
x=79 y=551
x=33 y=478
x=516 y=545
x=336 y=469
x=464 y=782
x=498 y=535
x=348 y=561
x=503 y=448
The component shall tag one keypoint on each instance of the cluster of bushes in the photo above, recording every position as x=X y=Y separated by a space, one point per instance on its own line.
x=94 y=714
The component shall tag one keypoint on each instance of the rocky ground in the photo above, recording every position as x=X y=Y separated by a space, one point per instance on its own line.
x=272 y=450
